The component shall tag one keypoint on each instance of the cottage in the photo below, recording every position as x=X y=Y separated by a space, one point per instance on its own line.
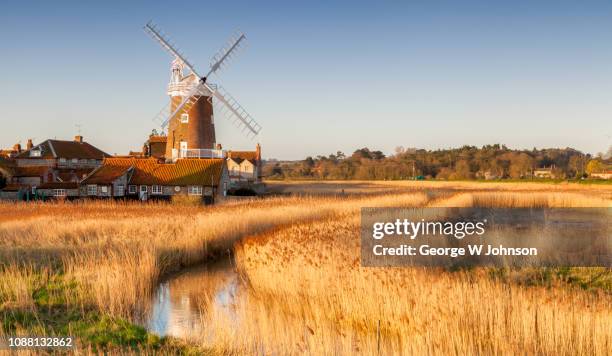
x=244 y=169
x=601 y=175
x=148 y=178
x=58 y=190
x=544 y=172
x=14 y=192
x=59 y=154
x=51 y=162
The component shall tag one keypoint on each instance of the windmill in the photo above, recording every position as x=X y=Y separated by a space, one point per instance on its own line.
x=188 y=118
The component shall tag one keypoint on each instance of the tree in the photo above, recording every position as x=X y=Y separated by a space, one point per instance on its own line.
x=520 y=165
x=462 y=170
x=456 y=163
x=594 y=166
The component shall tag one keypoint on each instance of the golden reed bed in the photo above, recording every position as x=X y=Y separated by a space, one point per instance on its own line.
x=116 y=252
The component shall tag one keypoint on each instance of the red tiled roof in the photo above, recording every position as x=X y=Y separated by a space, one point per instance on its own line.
x=240 y=160
x=149 y=171
x=250 y=155
x=15 y=187
x=67 y=175
x=59 y=185
x=66 y=149
x=7 y=164
x=107 y=173
x=158 y=139
x=35 y=171
x=7 y=153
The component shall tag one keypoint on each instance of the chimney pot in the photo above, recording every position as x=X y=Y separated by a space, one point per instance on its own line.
x=219 y=147
x=78 y=139
x=29 y=145
x=17 y=147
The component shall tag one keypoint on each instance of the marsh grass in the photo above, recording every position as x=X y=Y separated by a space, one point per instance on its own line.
x=310 y=274
x=100 y=260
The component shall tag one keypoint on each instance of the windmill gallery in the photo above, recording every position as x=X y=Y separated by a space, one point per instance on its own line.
x=185 y=158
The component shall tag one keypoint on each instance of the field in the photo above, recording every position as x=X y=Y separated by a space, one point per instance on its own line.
x=85 y=269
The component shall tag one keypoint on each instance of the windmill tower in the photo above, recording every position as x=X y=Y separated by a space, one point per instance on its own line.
x=189 y=117
x=193 y=128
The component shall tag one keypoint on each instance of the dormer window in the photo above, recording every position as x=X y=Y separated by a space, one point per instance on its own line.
x=184 y=118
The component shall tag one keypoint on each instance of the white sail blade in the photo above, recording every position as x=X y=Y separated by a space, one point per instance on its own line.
x=234 y=110
x=156 y=34
x=162 y=116
x=191 y=98
x=221 y=58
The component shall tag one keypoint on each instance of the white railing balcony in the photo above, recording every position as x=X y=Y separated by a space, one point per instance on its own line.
x=202 y=153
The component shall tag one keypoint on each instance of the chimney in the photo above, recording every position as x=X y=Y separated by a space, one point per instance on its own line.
x=78 y=138
x=219 y=147
x=17 y=147
x=29 y=145
x=258 y=152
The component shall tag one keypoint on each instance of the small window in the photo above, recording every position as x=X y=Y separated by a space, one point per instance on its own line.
x=185 y=118
x=104 y=189
x=120 y=190
x=62 y=160
x=92 y=189
x=195 y=190
x=59 y=192
x=143 y=189
x=75 y=160
x=35 y=153
x=132 y=189
x=156 y=189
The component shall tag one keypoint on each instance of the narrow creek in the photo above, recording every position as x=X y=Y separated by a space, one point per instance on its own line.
x=184 y=303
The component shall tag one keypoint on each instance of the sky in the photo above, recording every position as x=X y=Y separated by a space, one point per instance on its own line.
x=318 y=76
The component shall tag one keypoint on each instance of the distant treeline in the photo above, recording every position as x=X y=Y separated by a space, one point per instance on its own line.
x=468 y=162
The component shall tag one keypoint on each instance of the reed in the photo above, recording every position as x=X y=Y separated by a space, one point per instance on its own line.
x=302 y=265
x=322 y=299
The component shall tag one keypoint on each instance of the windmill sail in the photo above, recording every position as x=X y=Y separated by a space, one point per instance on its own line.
x=224 y=101
x=156 y=34
x=233 y=110
x=220 y=59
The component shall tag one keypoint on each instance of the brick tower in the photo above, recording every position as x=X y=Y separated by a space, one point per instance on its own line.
x=194 y=129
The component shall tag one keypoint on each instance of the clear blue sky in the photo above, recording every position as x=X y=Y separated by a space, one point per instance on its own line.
x=318 y=76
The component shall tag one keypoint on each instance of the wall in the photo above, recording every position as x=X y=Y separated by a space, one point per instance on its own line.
x=29 y=162
x=28 y=180
x=120 y=181
x=49 y=192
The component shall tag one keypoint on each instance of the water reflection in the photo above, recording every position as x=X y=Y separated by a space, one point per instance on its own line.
x=182 y=305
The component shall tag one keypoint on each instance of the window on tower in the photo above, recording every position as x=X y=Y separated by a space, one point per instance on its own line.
x=185 y=118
